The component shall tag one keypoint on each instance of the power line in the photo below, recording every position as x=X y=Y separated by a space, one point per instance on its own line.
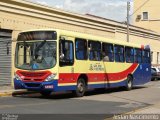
x=140 y=7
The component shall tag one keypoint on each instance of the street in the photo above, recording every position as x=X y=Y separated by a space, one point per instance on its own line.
x=108 y=103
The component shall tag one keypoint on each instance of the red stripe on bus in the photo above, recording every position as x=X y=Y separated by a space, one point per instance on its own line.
x=97 y=77
x=123 y=74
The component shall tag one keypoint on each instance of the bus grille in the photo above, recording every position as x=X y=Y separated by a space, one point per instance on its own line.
x=33 y=76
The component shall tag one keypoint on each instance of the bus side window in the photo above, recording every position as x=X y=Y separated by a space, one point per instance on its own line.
x=107 y=52
x=146 y=56
x=81 y=49
x=129 y=54
x=94 y=50
x=119 y=53
x=66 y=53
x=138 y=55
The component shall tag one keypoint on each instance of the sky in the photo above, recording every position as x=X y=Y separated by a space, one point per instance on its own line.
x=110 y=9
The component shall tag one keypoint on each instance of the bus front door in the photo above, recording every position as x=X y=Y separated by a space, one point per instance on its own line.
x=66 y=61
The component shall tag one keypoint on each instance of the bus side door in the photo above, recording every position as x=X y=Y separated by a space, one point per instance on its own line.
x=66 y=62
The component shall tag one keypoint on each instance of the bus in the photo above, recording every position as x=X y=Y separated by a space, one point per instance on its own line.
x=55 y=60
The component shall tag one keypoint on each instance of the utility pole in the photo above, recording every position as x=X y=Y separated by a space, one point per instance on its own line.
x=128 y=9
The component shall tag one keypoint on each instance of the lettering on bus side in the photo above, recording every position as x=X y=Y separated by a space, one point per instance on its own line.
x=96 y=67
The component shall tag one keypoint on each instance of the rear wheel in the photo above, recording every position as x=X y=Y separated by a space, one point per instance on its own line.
x=81 y=88
x=129 y=83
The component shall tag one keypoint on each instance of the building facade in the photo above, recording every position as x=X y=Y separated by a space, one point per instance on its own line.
x=19 y=15
x=146 y=14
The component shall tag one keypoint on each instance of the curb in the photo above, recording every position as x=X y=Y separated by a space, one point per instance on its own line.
x=13 y=93
x=4 y=94
x=140 y=109
x=131 y=112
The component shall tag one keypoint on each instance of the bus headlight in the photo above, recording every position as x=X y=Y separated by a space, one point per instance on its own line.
x=17 y=77
x=50 y=77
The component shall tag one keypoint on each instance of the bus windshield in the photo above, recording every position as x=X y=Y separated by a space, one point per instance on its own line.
x=37 y=55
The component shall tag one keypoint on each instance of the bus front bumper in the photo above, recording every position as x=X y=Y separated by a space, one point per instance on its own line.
x=36 y=86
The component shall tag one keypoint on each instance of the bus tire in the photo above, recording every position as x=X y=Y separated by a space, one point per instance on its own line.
x=45 y=93
x=81 y=88
x=129 y=83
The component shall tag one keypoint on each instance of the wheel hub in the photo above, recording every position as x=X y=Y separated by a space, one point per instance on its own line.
x=81 y=87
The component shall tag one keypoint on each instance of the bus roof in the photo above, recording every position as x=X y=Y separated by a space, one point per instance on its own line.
x=88 y=37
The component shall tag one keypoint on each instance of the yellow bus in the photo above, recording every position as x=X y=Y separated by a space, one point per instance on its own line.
x=58 y=60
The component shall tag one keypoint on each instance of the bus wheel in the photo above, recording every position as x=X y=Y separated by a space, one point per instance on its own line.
x=45 y=93
x=129 y=83
x=81 y=88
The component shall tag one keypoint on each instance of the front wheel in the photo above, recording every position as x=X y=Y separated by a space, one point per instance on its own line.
x=45 y=93
x=81 y=88
x=129 y=83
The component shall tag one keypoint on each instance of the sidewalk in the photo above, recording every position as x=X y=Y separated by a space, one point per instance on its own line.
x=9 y=91
x=153 y=109
x=150 y=111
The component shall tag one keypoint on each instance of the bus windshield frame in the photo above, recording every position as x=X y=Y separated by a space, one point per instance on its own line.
x=35 y=51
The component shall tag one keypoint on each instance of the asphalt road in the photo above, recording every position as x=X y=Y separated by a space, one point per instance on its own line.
x=97 y=104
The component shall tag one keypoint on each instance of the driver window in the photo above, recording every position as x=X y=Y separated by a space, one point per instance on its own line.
x=66 y=53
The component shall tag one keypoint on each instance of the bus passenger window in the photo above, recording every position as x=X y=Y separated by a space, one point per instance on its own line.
x=107 y=52
x=138 y=55
x=146 y=56
x=119 y=53
x=81 y=49
x=129 y=54
x=66 y=53
x=94 y=50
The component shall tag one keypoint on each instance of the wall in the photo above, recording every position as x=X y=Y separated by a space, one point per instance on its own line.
x=152 y=7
